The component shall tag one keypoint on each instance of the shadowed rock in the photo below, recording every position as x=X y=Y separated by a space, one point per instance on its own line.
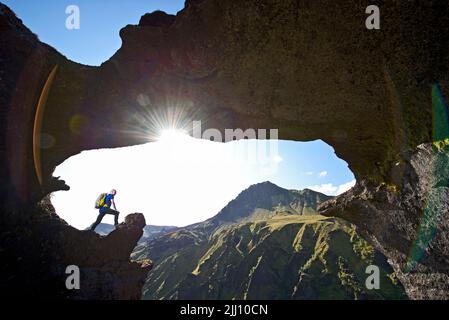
x=156 y=19
x=409 y=222
x=106 y=270
x=36 y=258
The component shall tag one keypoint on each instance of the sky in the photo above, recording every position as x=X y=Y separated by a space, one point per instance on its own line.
x=97 y=39
x=180 y=180
x=177 y=180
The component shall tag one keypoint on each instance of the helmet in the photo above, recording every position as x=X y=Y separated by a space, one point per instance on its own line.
x=114 y=192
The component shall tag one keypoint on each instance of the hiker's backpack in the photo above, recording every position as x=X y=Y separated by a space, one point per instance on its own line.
x=100 y=200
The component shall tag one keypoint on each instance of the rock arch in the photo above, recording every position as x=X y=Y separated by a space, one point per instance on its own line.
x=308 y=68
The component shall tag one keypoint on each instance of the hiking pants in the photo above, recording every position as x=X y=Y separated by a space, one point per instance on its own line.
x=102 y=214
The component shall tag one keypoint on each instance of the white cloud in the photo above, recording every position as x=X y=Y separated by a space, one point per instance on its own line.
x=308 y=173
x=345 y=187
x=330 y=189
x=322 y=174
x=278 y=159
x=326 y=188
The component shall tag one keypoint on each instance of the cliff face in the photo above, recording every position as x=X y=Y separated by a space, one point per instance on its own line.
x=409 y=223
x=308 y=68
x=37 y=251
x=279 y=254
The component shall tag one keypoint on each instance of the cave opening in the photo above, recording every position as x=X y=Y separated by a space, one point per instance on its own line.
x=179 y=180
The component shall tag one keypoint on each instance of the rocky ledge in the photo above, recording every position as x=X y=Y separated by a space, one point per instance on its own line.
x=46 y=245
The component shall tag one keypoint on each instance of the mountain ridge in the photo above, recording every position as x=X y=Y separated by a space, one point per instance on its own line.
x=266 y=195
x=247 y=252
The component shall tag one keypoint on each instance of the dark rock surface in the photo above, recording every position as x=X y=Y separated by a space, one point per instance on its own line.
x=409 y=223
x=311 y=70
x=35 y=256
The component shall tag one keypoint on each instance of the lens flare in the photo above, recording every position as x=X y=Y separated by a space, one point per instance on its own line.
x=172 y=135
x=435 y=201
x=149 y=119
x=38 y=118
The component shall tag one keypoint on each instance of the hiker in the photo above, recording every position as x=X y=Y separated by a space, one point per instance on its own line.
x=104 y=204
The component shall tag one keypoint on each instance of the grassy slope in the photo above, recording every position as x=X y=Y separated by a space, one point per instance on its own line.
x=277 y=257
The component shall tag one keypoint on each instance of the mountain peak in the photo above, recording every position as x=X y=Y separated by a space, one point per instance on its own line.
x=268 y=196
x=264 y=186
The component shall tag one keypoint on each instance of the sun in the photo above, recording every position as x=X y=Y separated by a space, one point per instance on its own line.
x=173 y=135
